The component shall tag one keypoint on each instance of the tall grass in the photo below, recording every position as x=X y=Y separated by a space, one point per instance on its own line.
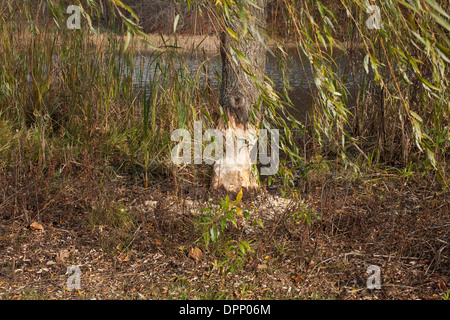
x=70 y=95
x=67 y=95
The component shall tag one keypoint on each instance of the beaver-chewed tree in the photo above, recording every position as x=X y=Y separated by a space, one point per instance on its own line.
x=243 y=64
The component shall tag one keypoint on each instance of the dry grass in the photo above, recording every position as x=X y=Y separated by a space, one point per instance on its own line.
x=138 y=247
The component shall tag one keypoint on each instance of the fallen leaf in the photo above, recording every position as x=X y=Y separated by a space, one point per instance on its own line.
x=195 y=254
x=261 y=266
x=62 y=255
x=42 y=270
x=156 y=242
x=297 y=279
x=36 y=226
x=442 y=285
x=124 y=257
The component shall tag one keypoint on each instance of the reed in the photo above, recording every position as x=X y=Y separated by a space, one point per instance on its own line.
x=66 y=94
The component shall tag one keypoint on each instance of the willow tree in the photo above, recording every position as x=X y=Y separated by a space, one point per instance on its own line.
x=243 y=53
x=243 y=56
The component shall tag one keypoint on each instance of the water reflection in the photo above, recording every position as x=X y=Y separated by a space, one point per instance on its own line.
x=301 y=76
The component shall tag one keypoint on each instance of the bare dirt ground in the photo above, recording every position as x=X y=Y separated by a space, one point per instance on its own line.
x=400 y=225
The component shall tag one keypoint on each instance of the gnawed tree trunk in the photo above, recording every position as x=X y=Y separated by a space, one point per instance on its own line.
x=238 y=95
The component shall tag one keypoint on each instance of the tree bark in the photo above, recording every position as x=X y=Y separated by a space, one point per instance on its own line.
x=238 y=96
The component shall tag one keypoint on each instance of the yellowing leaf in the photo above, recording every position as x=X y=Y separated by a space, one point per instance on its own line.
x=233 y=34
x=238 y=198
x=127 y=41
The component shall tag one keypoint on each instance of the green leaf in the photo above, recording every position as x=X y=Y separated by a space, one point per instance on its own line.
x=214 y=233
x=408 y=6
x=241 y=55
x=441 y=21
x=120 y=4
x=233 y=34
x=436 y=7
x=238 y=198
x=246 y=245
x=223 y=223
x=226 y=202
x=227 y=11
x=416 y=116
x=206 y=237
x=260 y=223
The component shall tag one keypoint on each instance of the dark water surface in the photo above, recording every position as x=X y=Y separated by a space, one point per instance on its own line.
x=300 y=75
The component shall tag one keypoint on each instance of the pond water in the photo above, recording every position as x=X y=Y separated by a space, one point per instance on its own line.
x=300 y=75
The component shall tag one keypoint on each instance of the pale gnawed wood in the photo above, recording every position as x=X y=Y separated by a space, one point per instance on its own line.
x=237 y=96
x=234 y=171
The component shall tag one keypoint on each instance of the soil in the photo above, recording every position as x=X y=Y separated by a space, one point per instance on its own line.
x=155 y=250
